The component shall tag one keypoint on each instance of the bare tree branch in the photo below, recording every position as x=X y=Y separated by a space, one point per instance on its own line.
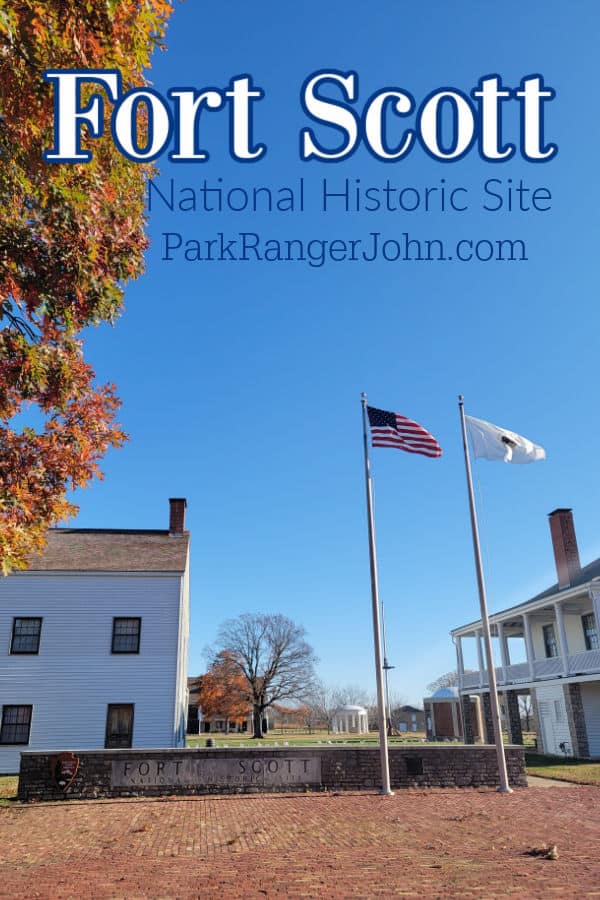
x=448 y=679
x=273 y=657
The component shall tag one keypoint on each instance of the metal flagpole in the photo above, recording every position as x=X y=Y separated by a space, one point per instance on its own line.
x=504 y=785
x=383 y=742
x=386 y=669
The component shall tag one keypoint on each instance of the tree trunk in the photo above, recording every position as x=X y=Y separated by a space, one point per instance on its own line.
x=257 y=722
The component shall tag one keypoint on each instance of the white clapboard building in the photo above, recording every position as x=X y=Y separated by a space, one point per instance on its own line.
x=94 y=642
x=546 y=648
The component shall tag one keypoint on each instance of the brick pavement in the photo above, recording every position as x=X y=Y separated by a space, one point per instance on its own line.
x=437 y=843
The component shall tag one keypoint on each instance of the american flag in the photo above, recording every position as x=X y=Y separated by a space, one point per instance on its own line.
x=390 y=429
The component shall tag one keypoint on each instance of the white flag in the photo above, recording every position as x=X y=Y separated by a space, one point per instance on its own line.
x=492 y=442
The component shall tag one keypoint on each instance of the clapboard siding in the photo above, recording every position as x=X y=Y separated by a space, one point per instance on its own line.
x=553 y=718
x=590 y=695
x=75 y=675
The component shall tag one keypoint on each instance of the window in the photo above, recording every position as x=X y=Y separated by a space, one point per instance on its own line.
x=16 y=723
x=590 y=632
x=119 y=725
x=550 y=644
x=559 y=712
x=26 y=635
x=126 y=635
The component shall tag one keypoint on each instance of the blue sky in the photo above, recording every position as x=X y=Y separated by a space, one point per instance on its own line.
x=241 y=381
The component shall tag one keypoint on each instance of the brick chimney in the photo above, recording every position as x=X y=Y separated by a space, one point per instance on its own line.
x=177 y=507
x=564 y=544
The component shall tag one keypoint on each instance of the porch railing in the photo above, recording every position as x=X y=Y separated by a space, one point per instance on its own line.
x=548 y=668
x=519 y=673
x=588 y=661
x=470 y=680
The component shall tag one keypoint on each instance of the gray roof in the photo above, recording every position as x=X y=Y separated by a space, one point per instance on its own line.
x=585 y=575
x=450 y=693
x=111 y=550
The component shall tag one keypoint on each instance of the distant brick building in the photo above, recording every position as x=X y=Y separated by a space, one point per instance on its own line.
x=408 y=718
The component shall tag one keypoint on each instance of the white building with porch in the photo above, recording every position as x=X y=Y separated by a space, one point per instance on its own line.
x=555 y=636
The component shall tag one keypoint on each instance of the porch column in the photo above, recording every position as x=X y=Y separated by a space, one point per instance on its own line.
x=503 y=650
x=562 y=636
x=535 y=721
x=428 y=712
x=513 y=717
x=479 y=716
x=455 y=724
x=529 y=645
x=488 y=722
x=460 y=665
x=480 y=658
x=467 y=717
x=576 y=719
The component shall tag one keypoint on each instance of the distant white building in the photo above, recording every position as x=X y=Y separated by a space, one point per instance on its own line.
x=558 y=630
x=94 y=642
x=350 y=719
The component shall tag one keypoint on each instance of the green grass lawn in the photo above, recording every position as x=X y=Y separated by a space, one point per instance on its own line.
x=299 y=739
x=579 y=771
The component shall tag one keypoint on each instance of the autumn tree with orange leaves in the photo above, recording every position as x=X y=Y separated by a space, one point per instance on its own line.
x=224 y=691
x=71 y=236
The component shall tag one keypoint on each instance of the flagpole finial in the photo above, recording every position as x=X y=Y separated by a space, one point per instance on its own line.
x=363 y=398
x=461 y=400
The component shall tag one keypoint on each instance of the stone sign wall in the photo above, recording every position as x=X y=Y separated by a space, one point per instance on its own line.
x=199 y=770
x=131 y=773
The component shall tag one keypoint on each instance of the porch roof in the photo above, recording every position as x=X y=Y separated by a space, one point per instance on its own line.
x=586 y=575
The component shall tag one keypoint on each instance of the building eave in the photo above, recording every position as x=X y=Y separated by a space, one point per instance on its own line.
x=529 y=606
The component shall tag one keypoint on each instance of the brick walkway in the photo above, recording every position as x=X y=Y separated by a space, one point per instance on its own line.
x=416 y=844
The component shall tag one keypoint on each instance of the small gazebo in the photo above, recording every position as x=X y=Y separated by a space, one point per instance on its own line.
x=444 y=717
x=350 y=720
